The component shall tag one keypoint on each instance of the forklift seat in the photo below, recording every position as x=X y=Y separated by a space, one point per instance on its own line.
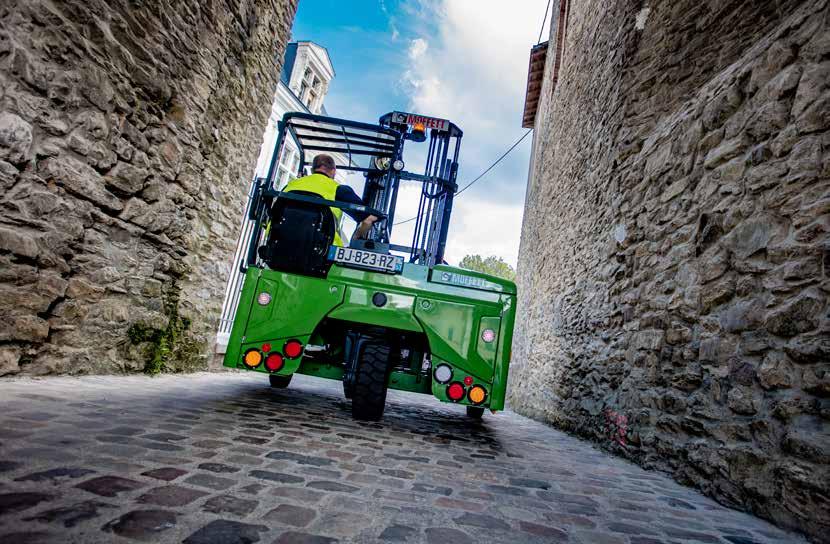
x=299 y=238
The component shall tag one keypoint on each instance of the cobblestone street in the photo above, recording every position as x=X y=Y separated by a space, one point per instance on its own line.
x=223 y=458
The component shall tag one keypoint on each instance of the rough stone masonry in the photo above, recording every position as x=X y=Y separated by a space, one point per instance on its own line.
x=675 y=262
x=128 y=131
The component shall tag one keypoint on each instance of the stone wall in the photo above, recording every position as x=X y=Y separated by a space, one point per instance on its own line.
x=128 y=135
x=675 y=263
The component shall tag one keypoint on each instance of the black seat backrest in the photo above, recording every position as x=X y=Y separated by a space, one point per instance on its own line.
x=300 y=236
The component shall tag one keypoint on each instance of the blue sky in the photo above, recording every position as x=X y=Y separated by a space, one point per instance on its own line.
x=465 y=60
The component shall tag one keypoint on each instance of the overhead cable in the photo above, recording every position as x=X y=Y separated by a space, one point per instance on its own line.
x=503 y=155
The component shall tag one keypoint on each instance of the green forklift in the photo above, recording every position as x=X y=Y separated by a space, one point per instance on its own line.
x=374 y=315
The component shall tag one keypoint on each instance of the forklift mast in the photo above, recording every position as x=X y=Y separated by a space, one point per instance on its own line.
x=438 y=183
x=383 y=144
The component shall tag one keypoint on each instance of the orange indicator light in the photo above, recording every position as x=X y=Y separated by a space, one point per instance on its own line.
x=252 y=358
x=477 y=394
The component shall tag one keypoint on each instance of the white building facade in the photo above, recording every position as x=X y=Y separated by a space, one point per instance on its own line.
x=306 y=75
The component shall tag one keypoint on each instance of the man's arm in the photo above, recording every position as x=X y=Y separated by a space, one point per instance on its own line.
x=346 y=194
x=365 y=221
x=363 y=228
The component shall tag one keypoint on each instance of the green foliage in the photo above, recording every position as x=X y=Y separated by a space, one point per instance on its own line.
x=492 y=265
x=164 y=344
x=157 y=348
x=140 y=332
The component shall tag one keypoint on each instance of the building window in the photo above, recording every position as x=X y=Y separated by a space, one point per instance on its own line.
x=310 y=89
x=295 y=165
x=287 y=169
x=304 y=83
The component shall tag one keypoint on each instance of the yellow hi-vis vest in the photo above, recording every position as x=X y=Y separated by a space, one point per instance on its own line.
x=325 y=187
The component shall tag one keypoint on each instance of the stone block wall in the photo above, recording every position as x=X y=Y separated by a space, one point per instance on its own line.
x=674 y=270
x=128 y=135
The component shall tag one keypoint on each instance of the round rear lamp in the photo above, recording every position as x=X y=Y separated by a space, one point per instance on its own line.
x=468 y=380
x=455 y=391
x=477 y=394
x=443 y=373
x=274 y=362
x=252 y=358
x=398 y=165
x=488 y=335
x=266 y=347
x=263 y=299
x=293 y=349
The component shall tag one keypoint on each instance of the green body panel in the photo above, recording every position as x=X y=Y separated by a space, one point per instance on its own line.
x=487 y=350
x=452 y=329
x=298 y=303
x=395 y=314
x=409 y=382
x=450 y=306
x=397 y=380
x=440 y=390
x=504 y=352
x=240 y=322
x=450 y=275
x=321 y=370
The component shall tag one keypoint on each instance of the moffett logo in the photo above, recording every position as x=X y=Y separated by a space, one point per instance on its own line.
x=412 y=119
x=463 y=281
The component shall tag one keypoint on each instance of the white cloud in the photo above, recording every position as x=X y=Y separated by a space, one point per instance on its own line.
x=469 y=65
x=393 y=28
x=417 y=48
x=485 y=227
x=478 y=55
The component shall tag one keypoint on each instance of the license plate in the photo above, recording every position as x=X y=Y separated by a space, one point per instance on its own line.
x=366 y=259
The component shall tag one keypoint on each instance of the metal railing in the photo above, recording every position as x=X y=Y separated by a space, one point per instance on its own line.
x=234 y=287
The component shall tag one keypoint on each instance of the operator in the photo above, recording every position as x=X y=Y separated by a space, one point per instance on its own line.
x=321 y=182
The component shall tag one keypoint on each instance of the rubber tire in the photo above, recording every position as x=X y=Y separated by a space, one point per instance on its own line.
x=371 y=383
x=280 y=382
x=475 y=412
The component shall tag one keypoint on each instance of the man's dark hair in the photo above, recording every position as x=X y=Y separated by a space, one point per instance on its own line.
x=323 y=161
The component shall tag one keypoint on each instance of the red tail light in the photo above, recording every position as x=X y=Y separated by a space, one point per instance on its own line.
x=293 y=349
x=455 y=391
x=274 y=362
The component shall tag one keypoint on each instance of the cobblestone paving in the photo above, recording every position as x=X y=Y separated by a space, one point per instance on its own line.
x=222 y=458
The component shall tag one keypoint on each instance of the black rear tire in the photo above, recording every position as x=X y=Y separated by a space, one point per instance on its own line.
x=475 y=412
x=280 y=382
x=370 y=383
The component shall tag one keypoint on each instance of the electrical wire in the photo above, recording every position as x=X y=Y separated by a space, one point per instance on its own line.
x=406 y=220
x=503 y=155
x=511 y=148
